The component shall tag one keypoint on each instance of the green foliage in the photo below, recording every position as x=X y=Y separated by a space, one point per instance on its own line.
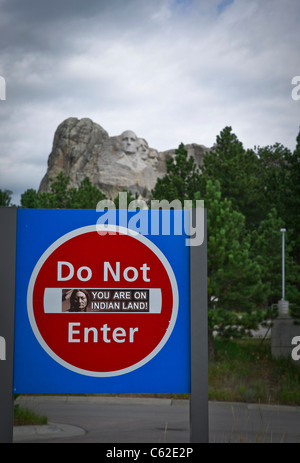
x=249 y=195
x=234 y=281
x=235 y=290
x=233 y=276
x=62 y=197
x=130 y=198
x=292 y=205
x=25 y=416
x=30 y=199
x=279 y=175
x=5 y=198
x=237 y=170
x=182 y=178
x=267 y=250
x=273 y=174
x=245 y=371
x=86 y=196
x=263 y=185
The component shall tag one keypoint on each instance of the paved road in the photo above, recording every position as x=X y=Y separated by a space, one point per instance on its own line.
x=87 y=419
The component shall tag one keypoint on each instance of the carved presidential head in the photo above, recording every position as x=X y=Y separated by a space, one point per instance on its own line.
x=129 y=142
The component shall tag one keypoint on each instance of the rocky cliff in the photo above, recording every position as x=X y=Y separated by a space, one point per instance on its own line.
x=82 y=148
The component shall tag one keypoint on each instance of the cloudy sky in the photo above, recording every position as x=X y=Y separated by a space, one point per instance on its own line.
x=170 y=70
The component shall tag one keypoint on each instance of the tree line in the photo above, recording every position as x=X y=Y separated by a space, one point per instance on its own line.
x=249 y=194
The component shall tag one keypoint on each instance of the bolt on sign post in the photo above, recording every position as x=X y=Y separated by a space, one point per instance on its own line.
x=101 y=307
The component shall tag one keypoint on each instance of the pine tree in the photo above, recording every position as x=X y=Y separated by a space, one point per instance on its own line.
x=29 y=199
x=182 y=179
x=5 y=198
x=236 y=292
x=86 y=196
x=273 y=176
x=237 y=171
x=280 y=178
x=292 y=205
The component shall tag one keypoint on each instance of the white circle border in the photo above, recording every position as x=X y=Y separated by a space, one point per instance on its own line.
x=113 y=229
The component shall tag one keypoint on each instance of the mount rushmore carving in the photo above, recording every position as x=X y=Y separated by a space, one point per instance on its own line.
x=82 y=148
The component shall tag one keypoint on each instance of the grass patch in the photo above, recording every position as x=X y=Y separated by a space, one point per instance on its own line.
x=24 y=416
x=245 y=371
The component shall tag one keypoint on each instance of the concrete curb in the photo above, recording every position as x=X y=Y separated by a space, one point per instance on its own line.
x=50 y=430
x=104 y=399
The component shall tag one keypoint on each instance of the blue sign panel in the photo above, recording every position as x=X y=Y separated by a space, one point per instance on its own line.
x=102 y=302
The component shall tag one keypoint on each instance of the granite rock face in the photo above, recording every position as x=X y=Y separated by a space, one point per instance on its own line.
x=82 y=148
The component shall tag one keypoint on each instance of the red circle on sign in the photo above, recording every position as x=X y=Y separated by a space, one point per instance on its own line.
x=112 y=270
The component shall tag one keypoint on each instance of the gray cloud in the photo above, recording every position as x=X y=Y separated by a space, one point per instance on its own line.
x=170 y=70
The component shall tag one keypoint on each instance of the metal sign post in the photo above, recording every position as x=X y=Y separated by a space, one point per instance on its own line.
x=8 y=225
x=283 y=230
x=199 y=343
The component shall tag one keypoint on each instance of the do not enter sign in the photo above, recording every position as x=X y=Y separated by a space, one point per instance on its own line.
x=103 y=310
x=101 y=301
